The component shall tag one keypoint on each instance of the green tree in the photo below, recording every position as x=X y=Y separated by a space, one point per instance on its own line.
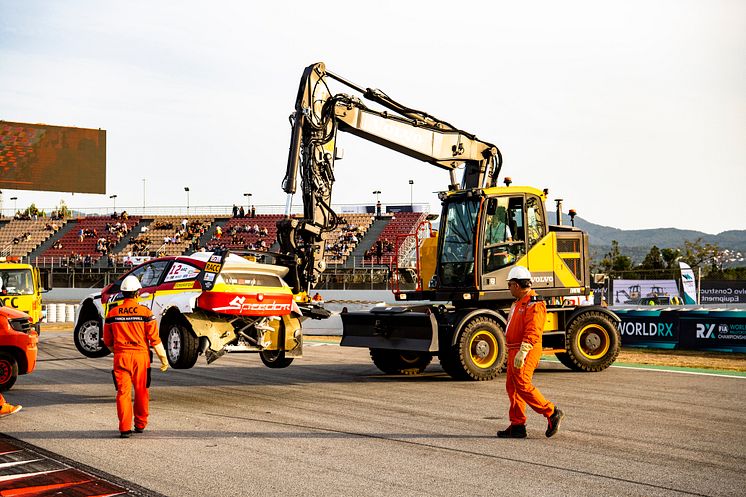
x=704 y=256
x=670 y=256
x=614 y=261
x=653 y=260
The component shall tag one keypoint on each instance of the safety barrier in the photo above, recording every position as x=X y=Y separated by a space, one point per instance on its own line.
x=684 y=328
x=59 y=313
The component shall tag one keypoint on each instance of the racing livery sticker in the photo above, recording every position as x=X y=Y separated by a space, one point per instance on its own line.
x=212 y=268
x=180 y=271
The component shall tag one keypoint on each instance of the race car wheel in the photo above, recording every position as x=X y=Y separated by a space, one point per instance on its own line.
x=400 y=361
x=88 y=337
x=8 y=371
x=275 y=359
x=180 y=342
x=592 y=343
x=479 y=353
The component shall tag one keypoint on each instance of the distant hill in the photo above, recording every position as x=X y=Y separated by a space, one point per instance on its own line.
x=637 y=243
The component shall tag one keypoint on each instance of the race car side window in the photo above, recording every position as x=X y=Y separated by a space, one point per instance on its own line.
x=150 y=274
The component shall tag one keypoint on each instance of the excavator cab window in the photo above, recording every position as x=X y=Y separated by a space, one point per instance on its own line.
x=535 y=220
x=457 y=253
x=503 y=232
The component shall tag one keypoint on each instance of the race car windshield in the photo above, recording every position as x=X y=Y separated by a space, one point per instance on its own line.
x=249 y=279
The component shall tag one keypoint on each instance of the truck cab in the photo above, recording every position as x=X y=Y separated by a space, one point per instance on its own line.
x=21 y=289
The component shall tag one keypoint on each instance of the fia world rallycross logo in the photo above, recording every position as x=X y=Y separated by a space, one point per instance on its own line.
x=710 y=330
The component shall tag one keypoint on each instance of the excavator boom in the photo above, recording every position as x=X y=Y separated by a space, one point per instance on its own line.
x=317 y=118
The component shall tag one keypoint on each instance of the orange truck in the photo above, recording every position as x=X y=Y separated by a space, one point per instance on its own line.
x=18 y=346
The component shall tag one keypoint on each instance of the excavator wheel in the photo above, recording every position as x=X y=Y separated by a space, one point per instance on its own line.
x=400 y=361
x=480 y=352
x=592 y=343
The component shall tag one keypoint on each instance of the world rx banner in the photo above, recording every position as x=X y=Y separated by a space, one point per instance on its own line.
x=697 y=329
x=653 y=328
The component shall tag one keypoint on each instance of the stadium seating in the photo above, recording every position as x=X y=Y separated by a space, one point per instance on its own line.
x=20 y=237
x=238 y=233
x=81 y=240
x=338 y=243
x=152 y=238
x=400 y=224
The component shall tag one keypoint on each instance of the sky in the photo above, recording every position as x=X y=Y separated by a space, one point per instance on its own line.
x=633 y=112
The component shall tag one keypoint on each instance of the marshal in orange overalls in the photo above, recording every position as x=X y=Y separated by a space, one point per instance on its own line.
x=130 y=330
x=525 y=324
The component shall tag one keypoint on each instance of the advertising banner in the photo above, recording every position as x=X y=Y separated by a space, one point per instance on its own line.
x=643 y=292
x=722 y=292
x=713 y=330
x=654 y=328
x=688 y=284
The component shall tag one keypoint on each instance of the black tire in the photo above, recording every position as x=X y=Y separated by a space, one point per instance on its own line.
x=88 y=336
x=480 y=351
x=564 y=358
x=8 y=371
x=180 y=342
x=400 y=361
x=275 y=359
x=592 y=342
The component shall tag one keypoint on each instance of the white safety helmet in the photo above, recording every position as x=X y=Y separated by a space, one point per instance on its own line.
x=130 y=284
x=519 y=273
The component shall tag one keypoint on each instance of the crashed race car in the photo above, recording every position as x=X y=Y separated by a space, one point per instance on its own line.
x=207 y=303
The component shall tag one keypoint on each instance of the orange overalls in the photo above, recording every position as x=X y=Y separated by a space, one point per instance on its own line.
x=131 y=330
x=525 y=324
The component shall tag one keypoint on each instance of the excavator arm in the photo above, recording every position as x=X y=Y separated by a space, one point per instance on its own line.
x=317 y=118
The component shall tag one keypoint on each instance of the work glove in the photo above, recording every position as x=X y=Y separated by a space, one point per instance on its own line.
x=520 y=357
x=161 y=353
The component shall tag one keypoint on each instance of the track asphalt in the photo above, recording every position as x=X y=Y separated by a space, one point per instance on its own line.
x=331 y=424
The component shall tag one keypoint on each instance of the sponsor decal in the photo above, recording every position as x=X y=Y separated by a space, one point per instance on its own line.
x=212 y=267
x=247 y=304
x=9 y=302
x=183 y=284
x=714 y=331
x=180 y=271
x=240 y=305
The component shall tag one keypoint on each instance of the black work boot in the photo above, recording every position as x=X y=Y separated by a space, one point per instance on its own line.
x=139 y=430
x=513 y=431
x=125 y=434
x=553 y=421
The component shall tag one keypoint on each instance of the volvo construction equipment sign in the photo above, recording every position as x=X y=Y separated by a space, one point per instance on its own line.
x=52 y=158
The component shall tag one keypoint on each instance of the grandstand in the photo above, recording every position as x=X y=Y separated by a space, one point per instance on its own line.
x=346 y=237
x=247 y=233
x=169 y=235
x=20 y=236
x=101 y=240
x=401 y=223
x=91 y=236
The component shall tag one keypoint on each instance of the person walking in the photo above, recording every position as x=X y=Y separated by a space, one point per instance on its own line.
x=7 y=409
x=129 y=331
x=525 y=326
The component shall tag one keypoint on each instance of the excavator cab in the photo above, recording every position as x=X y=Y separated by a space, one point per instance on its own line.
x=485 y=232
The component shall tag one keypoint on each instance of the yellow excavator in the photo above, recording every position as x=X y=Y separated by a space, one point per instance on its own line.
x=459 y=311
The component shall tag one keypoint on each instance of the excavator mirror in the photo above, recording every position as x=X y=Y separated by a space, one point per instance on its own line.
x=491 y=206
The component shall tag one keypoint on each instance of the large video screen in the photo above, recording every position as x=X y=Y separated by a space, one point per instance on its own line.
x=52 y=158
